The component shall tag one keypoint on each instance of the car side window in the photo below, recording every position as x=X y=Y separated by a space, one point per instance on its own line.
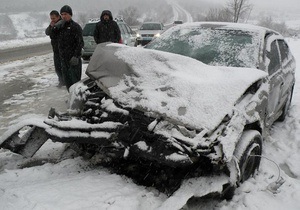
x=122 y=29
x=128 y=29
x=284 y=50
x=274 y=57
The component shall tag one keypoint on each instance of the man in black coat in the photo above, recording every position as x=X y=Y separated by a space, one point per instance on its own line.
x=107 y=30
x=55 y=17
x=70 y=43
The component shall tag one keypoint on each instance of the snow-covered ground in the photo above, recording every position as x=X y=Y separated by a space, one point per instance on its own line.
x=23 y=42
x=23 y=28
x=26 y=34
x=77 y=184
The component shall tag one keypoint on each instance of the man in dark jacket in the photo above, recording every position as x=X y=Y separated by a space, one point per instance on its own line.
x=107 y=30
x=70 y=43
x=55 y=17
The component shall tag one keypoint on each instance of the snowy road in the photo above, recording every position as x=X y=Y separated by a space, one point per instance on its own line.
x=24 y=52
x=76 y=184
x=179 y=12
x=29 y=86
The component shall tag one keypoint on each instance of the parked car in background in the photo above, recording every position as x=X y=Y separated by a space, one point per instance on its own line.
x=148 y=31
x=176 y=22
x=127 y=34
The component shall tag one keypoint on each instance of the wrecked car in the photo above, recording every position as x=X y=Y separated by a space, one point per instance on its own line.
x=196 y=102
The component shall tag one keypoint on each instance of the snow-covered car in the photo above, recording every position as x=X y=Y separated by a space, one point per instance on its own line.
x=196 y=102
x=148 y=31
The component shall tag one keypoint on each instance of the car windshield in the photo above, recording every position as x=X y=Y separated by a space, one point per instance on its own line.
x=212 y=46
x=151 y=26
x=88 y=29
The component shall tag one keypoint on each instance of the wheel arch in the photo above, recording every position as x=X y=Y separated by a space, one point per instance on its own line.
x=246 y=139
x=254 y=126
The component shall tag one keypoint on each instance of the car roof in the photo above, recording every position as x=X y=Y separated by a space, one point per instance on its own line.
x=151 y=23
x=96 y=20
x=229 y=25
x=93 y=20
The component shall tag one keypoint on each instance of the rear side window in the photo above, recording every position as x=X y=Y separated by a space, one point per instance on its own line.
x=122 y=28
x=128 y=29
x=284 y=50
x=88 y=29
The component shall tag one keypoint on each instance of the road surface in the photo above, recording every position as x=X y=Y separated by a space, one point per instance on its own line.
x=20 y=53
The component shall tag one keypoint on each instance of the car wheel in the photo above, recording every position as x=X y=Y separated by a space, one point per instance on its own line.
x=86 y=58
x=286 y=107
x=248 y=154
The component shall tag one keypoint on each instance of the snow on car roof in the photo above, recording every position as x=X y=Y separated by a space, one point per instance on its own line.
x=151 y=22
x=229 y=25
x=94 y=20
x=175 y=86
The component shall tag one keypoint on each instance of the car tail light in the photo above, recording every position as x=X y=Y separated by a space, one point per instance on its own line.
x=121 y=41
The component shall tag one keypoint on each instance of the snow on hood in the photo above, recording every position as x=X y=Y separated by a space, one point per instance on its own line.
x=175 y=86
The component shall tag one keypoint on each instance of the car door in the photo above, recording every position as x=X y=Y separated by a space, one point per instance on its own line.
x=131 y=34
x=288 y=69
x=276 y=80
x=125 y=35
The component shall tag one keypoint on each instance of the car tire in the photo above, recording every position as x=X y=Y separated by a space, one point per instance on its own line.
x=85 y=58
x=248 y=155
x=286 y=107
x=136 y=43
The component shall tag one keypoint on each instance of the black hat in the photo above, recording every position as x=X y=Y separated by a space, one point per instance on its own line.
x=66 y=9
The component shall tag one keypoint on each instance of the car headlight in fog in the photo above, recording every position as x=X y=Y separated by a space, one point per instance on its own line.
x=138 y=35
x=157 y=35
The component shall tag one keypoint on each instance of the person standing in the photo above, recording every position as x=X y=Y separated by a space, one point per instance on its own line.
x=107 y=30
x=70 y=43
x=55 y=17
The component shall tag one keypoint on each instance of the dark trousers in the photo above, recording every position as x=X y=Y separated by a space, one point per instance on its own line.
x=71 y=74
x=57 y=66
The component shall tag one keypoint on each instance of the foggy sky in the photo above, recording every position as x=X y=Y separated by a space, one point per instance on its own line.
x=278 y=5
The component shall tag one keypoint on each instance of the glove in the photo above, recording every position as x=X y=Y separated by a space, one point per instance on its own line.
x=59 y=24
x=74 y=61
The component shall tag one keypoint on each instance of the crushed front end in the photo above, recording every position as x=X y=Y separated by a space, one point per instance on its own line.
x=152 y=150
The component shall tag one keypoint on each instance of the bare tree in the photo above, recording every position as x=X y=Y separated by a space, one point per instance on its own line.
x=218 y=14
x=266 y=21
x=239 y=8
x=82 y=19
x=281 y=27
x=130 y=15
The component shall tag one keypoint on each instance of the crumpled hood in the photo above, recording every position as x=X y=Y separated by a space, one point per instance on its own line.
x=177 y=87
